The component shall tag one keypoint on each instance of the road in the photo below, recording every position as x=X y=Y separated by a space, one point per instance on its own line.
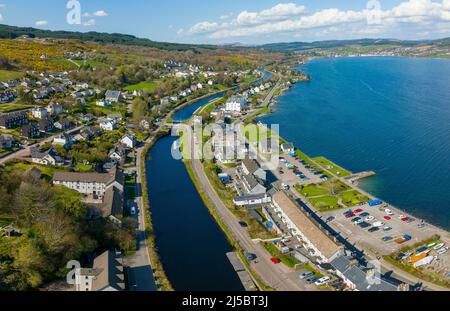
x=275 y=276
x=139 y=265
x=140 y=272
x=278 y=277
x=25 y=152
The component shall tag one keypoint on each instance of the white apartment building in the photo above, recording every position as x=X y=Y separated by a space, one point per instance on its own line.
x=236 y=103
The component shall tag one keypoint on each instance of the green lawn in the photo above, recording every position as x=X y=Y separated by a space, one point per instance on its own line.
x=84 y=167
x=311 y=190
x=285 y=259
x=144 y=86
x=331 y=167
x=13 y=107
x=353 y=197
x=91 y=63
x=5 y=220
x=6 y=75
x=325 y=203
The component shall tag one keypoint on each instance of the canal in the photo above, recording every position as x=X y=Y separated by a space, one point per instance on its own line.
x=191 y=245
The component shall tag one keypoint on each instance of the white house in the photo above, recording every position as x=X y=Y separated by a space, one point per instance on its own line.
x=129 y=141
x=39 y=113
x=108 y=125
x=90 y=183
x=103 y=103
x=287 y=148
x=236 y=103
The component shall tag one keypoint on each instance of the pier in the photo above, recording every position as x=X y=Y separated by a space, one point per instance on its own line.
x=359 y=176
x=243 y=274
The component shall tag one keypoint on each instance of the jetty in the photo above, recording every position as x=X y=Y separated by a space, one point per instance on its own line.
x=358 y=176
x=243 y=274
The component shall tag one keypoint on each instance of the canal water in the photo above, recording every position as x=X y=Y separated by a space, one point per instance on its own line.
x=191 y=245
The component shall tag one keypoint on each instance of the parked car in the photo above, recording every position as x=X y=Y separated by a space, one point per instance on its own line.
x=365 y=214
x=250 y=256
x=311 y=280
x=387 y=238
x=275 y=260
x=243 y=224
x=358 y=211
x=374 y=229
x=378 y=224
x=364 y=225
x=305 y=275
x=386 y=229
x=133 y=210
x=322 y=281
x=370 y=218
x=387 y=218
x=348 y=216
x=356 y=220
x=330 y=219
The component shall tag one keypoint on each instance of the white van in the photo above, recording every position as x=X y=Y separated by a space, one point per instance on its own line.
x=322 y=281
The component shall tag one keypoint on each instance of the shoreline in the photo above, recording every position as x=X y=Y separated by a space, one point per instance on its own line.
x=357 y=186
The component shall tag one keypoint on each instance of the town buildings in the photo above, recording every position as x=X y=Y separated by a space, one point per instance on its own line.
x=236 y=103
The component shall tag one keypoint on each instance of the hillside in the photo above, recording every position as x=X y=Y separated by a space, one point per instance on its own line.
x=303 y=46
x=12 y=32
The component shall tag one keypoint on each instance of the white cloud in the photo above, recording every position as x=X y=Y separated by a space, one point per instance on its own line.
x=41 y=23
x=90 y=23
x=276 y=12
x=203 y=27
x=289 y=18
x=100 y=13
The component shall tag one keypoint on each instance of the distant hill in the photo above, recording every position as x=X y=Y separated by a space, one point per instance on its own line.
x=301 y=46
x=12 y=32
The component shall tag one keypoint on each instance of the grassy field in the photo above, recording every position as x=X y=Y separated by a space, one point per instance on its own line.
x=331 y=167
x=353 y=198
x=83 y=167
x=288 y=260
x=5 y=220
x=91 y=63
x=144 y=86
x=325 y=203
x=6 y=75
x=13 y=107
x=331 y=194
x=311 y=190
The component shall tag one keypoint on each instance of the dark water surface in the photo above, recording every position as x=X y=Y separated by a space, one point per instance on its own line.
x=387 y=114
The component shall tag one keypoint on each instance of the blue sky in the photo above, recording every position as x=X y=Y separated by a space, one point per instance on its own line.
x=245 y=21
